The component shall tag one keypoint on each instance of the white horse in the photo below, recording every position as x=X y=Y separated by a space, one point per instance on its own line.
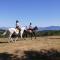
x=11 y=31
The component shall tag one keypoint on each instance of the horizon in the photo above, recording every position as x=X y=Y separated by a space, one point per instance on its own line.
x=41 y=13
x=37 y=26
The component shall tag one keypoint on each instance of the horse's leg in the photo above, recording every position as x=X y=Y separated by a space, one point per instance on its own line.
x=25 y=34
x=21 y=34
x=15 y=39
x=30 y=35
x=10 y=38
x=34 y=34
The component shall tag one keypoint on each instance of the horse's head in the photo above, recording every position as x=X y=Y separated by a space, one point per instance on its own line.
x=35 y=28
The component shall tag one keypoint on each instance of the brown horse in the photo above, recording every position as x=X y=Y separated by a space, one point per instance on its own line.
x=31 y=32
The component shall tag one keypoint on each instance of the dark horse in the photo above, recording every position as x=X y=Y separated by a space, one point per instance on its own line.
x=30 y=32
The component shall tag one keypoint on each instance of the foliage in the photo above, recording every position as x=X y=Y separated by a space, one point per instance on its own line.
x=39 y=33
x=48 y=33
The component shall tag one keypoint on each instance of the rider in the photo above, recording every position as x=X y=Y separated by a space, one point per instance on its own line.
x=18 y=25
x=30 y=26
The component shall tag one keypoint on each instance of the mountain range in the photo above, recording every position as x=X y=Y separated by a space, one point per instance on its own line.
x=49 y=28
x=39 y=28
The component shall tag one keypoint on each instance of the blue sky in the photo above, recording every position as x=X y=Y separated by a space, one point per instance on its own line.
x=42 y=13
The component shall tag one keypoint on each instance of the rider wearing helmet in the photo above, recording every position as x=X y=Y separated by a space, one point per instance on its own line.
x=18 y=25
x=30 y=26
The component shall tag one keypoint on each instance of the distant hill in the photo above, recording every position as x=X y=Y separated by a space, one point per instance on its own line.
x=49 y=28
x=3 y=28
x=39 y=28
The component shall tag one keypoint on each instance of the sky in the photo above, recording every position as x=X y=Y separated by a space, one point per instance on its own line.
x=41 y=13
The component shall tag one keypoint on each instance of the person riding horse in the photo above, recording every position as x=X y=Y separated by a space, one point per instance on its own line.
x=18 y=26
x=30 y=27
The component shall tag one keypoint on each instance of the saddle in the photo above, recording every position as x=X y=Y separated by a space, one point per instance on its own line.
x=29 y=30
x=17 y=30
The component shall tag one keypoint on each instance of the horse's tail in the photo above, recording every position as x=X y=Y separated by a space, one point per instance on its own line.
x=4 y=33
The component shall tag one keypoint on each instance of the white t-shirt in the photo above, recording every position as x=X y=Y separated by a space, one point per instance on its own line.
x=17 y=24
x=30 y=26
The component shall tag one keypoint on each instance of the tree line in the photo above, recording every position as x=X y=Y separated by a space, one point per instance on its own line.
x=48 y=33
x=39 y=33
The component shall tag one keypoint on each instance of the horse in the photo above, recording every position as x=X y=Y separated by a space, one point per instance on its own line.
x=14 y=33
x=31 y=32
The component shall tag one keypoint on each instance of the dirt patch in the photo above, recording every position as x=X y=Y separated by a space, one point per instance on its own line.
x=34 y=47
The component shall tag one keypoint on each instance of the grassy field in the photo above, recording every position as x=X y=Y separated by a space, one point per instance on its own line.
x=35 y=44
x=41 y=43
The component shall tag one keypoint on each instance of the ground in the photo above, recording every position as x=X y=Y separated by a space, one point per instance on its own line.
x=47 y=42
x=34 y=44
